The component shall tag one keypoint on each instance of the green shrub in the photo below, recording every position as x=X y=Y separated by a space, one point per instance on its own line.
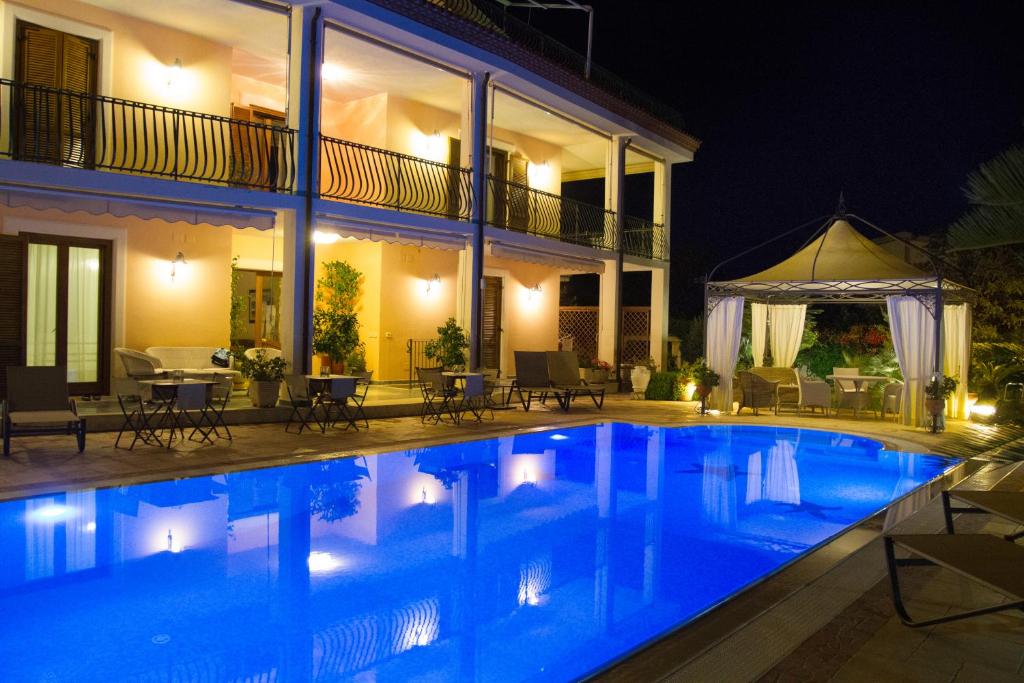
x=664 y=386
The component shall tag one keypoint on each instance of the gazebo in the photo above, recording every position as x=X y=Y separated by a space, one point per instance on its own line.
x=929 y=315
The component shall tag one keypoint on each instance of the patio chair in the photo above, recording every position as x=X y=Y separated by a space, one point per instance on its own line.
x=220 y=394
x=847 y=394
x=892 y=398
x=1006 y=504
x=757 y=392
x=335 y=401
x=813 y=394
x=564 y=371
x=532 y=377
x=139 y=365
x=189 y=399
x=990 y=560
x=137 y=420
x=359 y=398
x=38 y=403
x=303 y=405
x=475 y=397
x=437 y=394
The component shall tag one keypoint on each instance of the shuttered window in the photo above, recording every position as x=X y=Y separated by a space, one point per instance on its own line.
x=491 y=323
x=56 y=73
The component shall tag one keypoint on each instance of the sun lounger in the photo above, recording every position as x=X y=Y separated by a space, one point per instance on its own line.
x=533 y=378
x=38 y=403
x=564 y=371
x=1006 y=504
x=989 y=560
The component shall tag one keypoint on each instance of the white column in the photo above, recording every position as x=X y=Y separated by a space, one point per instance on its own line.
x=478 y=118
x=293 y=290
x=663 y=196
x=610 y=311
x=659 y=315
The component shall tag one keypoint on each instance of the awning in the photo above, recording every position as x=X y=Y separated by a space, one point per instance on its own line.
x=546 y=258
x=171 y=212
x=415 y=237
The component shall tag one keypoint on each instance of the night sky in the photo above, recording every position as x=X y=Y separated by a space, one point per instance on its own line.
x=893 y=103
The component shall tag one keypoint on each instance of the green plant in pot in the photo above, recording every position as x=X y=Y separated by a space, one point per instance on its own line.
x=449 y=349
x=335 y=335
x=936 y=392
x=706 y=379
x=264 y=374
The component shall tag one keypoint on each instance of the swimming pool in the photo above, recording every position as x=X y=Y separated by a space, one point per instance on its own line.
x=540 y=556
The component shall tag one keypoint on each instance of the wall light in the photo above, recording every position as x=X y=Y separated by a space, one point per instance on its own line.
x=432 y=285
x=322 y=237
x=533 y=293
x=174 y=75
x=430 y=147
x=179 y=266
x=539 y=175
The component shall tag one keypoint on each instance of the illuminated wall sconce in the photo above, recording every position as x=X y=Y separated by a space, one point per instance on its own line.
x=432 y=285
x=539 y=175
x=322 y=237
x=533 y=293
x=174 y=75
x=178 y=266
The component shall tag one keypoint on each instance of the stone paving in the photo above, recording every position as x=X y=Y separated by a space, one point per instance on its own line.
x=861 y=640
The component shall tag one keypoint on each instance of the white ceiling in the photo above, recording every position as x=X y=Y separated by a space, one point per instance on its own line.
x=582 y=148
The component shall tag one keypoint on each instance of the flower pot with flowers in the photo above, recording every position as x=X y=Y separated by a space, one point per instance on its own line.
x=264 y=374
x=936 y=392
x=706 y=379
x=595 y=371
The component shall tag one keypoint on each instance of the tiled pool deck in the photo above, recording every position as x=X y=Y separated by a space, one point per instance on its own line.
x=827 y=617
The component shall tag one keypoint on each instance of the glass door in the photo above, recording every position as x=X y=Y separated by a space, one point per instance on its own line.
x=68 y=309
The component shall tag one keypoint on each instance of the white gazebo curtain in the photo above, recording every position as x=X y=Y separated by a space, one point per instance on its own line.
x=724 y=329
x=913 y=337
x=758 y=327
x=956 y=354
x=787 y=323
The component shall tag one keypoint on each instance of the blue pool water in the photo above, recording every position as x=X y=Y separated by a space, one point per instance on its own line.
x=541 y=556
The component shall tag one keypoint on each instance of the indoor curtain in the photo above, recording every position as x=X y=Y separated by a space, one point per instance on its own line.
x=913 y=337
x=758 y=327
x=83 y=313
x=41 y=316
x=787 y=331
x=724 y=328
x=956 y=355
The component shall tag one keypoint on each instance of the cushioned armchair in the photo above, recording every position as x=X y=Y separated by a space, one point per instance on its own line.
x=814 y=394
x=757 y=392
x=139 y=365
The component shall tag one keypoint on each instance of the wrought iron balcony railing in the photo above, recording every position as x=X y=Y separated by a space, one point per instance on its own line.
x=68 y=128
x=644 y=238
x=518 y=207
x=361 y=174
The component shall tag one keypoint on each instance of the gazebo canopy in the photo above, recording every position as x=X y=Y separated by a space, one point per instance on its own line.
x=840 y=264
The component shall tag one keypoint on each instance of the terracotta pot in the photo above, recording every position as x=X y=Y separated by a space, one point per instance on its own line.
x=703 y=391
x=935 y=406
x=264 y=394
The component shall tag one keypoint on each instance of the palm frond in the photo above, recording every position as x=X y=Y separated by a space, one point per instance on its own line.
x=996 y=189
x=999 y=181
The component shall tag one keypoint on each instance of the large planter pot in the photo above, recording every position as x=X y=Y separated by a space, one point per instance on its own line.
x=703 y=391
x=640 y=376
x=595 y=376
x=935 y=406
x=264 y=394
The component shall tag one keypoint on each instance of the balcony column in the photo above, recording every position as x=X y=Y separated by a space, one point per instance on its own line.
x=304 y=61
x=475 y=251
x=609 y=345
x=660 y=275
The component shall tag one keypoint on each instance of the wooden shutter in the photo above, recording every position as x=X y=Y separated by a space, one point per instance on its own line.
x=454 y=178
x=55 y=127
x=13 y=258
x=499 y=200
x=519 y=196
x=491 y=323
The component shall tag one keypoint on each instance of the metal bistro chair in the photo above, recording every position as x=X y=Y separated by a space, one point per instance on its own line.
x=192 y=398
x=303 y=404
x=220 y=394
x=335 y=401
x=137 y=420
x=437 y=393
x=359 y=398
x=476 y=398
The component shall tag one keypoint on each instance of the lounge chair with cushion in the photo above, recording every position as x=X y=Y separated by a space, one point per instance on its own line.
x=38 y=403
x=1006 y=504
x=757 y=392
x=990 y=560
x=564 y=371
x=533 y=378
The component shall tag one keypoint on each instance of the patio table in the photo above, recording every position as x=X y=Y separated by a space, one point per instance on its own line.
x=168 y=391
x=858 y=382
x=320 y=386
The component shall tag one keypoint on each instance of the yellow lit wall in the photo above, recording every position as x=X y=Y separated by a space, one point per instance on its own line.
x=529 y=319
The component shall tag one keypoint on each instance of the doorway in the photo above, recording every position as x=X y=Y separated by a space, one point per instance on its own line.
x=490 y=332
x=255 y=306
x=67 y=304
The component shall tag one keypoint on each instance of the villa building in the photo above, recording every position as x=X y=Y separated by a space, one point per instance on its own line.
x=157 y=158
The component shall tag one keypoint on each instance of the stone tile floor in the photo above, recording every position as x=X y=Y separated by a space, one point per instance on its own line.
x=861 y=640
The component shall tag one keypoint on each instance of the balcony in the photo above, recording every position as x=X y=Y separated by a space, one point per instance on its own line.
x=68 y=128
x=644 y=238
x=360 y=174
x=521 y=208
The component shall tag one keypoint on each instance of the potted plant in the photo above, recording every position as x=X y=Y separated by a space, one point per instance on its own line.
x=335 y=336
x=640 y=376
x=936 y=392
x=595 y=371
x=449 y=349
x=264 y=374
x=356 y=360
x=706 y=379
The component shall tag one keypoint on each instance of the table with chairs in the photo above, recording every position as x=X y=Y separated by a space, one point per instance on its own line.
x=166 y=407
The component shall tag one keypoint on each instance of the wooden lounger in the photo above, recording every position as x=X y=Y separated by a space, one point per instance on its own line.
x=989 y=560
x=1006 y=504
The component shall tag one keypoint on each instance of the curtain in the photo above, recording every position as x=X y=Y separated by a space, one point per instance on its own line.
x=913 y=336
x=758 y=327
x=718 y=488
x=782 y=479
x=41 y=318
x=725 y=326
x=83 y=314
x=787 y=331
x=956 y=355
x=753 y=478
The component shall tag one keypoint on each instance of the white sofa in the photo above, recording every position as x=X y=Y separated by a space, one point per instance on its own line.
x=194 y=361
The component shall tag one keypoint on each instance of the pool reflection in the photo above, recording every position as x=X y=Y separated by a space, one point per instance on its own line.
x=525 y=557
